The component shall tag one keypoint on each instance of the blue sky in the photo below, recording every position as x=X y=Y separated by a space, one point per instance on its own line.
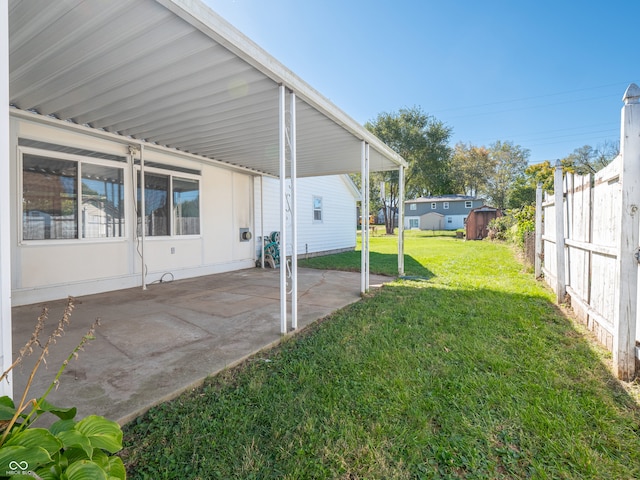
x=546 y=75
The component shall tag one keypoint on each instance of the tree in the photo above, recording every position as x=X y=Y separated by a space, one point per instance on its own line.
x=586 y=159
x=423 y=142
x=523 y=191
x=510 y=162
x=470 y=168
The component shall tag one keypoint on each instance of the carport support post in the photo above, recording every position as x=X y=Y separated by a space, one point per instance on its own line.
x=262 y=221
x=283 y=213
x=294 y=219
x=401 y=221
x=6 y=353
x=364 y=215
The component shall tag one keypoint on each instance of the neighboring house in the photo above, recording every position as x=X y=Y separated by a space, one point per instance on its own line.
x=327 y=213
x=446 y=212
x=478 y=222
x=380 y=217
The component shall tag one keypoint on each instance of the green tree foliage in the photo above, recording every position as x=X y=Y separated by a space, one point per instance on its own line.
x=586 y=159
x=422 y=141
x=541 y=173
x=510 y=162
x=470 y=168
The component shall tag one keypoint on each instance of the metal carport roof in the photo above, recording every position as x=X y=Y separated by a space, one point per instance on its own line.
x=175 y=74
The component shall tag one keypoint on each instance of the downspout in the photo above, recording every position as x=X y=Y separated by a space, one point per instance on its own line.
x=142 y=218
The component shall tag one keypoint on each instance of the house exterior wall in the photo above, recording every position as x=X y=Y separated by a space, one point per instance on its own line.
x=432 y=221
x=337 y=229
x=46 y=269
x=454 y=216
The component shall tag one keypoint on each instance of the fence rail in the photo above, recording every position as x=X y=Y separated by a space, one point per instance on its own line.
x=588 y=243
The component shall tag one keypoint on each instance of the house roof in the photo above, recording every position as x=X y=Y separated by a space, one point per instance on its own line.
x=175 y=74
x=484 y=208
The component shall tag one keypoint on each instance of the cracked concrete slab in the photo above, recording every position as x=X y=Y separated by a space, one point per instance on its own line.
x=156 y=343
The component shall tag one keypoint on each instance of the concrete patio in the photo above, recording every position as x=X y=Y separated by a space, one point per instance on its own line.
x=154 y=344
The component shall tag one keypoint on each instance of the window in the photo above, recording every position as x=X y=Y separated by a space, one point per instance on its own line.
x=445 y=205
x=468 y=204
x=164 y=194
x=317 y=209
x=449 y=220
x=414 y=223
x=413 y=206
x=434 y=205
x=186 y=206
x=54 y=210
x=102 y=201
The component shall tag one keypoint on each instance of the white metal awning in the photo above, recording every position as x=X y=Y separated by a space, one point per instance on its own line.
x=175 y=74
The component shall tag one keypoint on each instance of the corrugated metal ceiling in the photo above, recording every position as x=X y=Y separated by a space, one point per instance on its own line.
x=173 y=73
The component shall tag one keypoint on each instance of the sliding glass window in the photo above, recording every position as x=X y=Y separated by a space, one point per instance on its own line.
x=168 y=193
x=52 y=208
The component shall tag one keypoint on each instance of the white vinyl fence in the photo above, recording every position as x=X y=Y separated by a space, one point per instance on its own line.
x=589 y=252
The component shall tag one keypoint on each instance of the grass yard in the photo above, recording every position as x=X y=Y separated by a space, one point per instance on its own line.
x=467 y=371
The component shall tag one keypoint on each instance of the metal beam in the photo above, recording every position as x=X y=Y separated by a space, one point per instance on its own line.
x=294 y=215
x=367 y=164
x=262 y=221
x=363 y=199
x=364 y=222
x=400 y=220
x=283 y=211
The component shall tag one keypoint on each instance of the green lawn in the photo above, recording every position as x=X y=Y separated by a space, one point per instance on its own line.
x=470 y=372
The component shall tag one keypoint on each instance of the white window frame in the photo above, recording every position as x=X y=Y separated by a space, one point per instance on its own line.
x=445 y=205
x=315 y=209
x=171 y=174
x=468 y=204
x=413 y=206
x=80 y=160
x=434 y=205
x=414 y=223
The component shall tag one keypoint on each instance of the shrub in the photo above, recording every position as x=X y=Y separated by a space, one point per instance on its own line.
x=69 y=449
x=499 y=227
x=513 y=226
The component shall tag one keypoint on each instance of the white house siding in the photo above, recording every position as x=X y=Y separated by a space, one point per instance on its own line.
x=453 y=222
x=49 y=269
x=336 y=231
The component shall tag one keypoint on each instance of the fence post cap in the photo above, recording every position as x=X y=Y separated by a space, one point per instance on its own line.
x=631 y=94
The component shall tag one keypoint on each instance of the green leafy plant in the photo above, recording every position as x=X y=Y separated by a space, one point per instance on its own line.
x=499 y=227
x=68 y=449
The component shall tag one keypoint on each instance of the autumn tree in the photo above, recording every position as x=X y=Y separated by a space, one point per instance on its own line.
x=423 y=142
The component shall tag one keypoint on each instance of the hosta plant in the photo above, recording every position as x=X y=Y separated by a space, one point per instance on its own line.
x=68 y=449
